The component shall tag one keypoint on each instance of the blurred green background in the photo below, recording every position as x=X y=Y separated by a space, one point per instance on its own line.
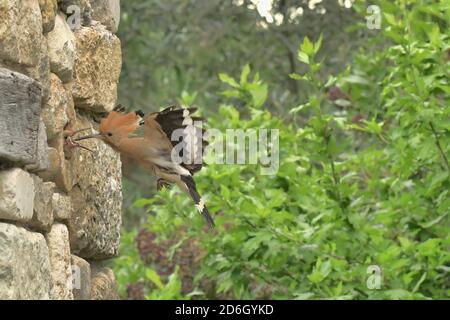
x=359 y=208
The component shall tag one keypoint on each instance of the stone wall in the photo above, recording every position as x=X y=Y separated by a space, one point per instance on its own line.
x=60 y=207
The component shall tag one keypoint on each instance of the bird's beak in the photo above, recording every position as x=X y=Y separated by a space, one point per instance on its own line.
x=94 y=135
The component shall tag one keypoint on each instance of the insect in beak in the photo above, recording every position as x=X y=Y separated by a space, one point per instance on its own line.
x=71 y=142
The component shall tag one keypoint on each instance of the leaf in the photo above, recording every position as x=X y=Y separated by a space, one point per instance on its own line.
x=434 y=35
x=331 y=81
x=429 y=247
x=188 y=99
x=397 y=294
x=398 y=38
x=259 y=94
x=356 y=79
x=433 y=222
x=225 y=192
x=173 y=287
x=318 y=43
x=303 y=57
x=297 y=76
x=228 y=80
x=244 y=74
x=373 y=126
x=195 y=292
x=303 y=295
x=315 y=276
x=231 y=93
x=405 y=242
x=421 y=280
x=325 y=268
x=390 y=18
x=307 y=47
x=154 y=277
x=320 y=271
x=299 y=108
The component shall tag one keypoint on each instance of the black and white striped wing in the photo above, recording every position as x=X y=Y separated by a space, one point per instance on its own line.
x=186 y=136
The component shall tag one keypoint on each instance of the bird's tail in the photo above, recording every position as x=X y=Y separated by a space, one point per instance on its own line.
x=189 y=184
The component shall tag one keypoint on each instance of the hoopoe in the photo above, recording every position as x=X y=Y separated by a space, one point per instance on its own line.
x=153 y=151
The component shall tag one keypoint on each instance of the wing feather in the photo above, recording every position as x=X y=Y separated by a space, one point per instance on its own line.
x=167 y=122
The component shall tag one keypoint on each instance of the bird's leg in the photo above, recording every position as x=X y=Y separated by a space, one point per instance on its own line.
x=161 y=183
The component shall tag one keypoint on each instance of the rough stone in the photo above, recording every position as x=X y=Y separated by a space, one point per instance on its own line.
x=43 y=211
x=41 y=151
x=97 y=200
x=103 y=284
x=48 y=12
x=80 y=12
x=20 y=106
x=54 y=110
x=107 y=12
x=59 y=170
x=24 y=264
x=70 y=110
x=20 y=35
x=61 y=271
x=16 y=195
x=97 y=69
x=61 y=47
x=62 y=207
x=42 y=73
x=81 y=274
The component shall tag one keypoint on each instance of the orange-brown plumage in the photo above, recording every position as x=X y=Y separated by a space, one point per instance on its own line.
x=122 y=124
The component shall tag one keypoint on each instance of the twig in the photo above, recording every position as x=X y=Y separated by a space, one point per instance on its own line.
x=438 y=144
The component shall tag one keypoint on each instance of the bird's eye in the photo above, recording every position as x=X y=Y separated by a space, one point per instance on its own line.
x=109 y=134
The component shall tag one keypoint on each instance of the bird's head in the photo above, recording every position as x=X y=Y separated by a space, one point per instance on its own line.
x=115 y=128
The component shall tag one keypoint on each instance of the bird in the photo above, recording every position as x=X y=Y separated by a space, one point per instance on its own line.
x=155 y=150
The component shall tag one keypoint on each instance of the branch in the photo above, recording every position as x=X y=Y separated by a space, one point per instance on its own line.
x=438 y=144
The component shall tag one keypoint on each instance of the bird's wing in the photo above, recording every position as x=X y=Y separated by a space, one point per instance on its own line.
x=176 y=127
x=166 y=130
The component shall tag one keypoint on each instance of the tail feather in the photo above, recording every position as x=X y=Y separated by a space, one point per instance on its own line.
x=199 y=203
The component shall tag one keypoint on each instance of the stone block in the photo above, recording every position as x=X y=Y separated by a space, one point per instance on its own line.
x=61 y=49
x=20 y=33
x=59 y=170
x=16 y=195
x=62 y=207
x=42 y=162
x=107 y=12
x=54 y=109
x=61 y=270
x=24 y=264
x=20 y=107
x=43 y=210
x=81 y=274
x=97 y=69
x=48 y=12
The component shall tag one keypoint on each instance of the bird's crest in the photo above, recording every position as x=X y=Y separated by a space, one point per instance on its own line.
x=120 y=123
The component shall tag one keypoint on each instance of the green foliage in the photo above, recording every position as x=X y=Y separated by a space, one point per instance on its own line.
x=251 y=93
x=360 y=183
x=170 y=46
